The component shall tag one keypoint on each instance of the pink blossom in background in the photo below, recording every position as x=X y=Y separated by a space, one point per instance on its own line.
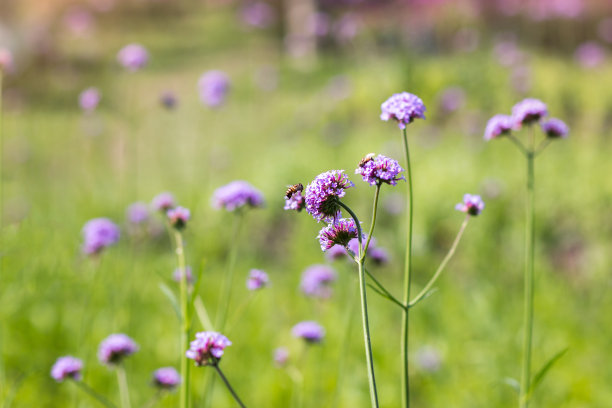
x=7 y=64
x=590 y=55
x=79 y=21
x=258 y=14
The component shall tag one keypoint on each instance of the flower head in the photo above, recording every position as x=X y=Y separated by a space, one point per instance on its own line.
x=590 y=54
x=316 y=281
x=380 y=169
x=378 y=255
x=115 y=348
x=166 y=378
x=339 y=233
x=294 y=200
x=404 y=108
x=471 y=205
x=133 y=57
x=528 y=111
x=178 y=217
x=67 y=367
x=335 y=252
x=138 y=213
x=236 y=195
x=498 y=125
x=257 y=279
x=213 y=87
x=177 y=275
x=98 y=234
x=281 y=356
x=168 y=100
x=310 y=331
x=207 y=348
x=163 y=202
x=89 y=99
x=323 y=193
x=555 y=128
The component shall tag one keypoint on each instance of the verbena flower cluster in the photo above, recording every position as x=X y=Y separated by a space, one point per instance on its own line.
x=323 y=193
x=555 y=128
x=115 y=348
x=213 y=87
x=207 y=348
x=316 y=281
x=178 y=217
x=133 y=57
x=404 y=108
x=89 y=99
x=471 y=205
x=338 y=233
x=309 y=331
x=137 y=213
x=166 y=378
x=98 y=234
x=67 y=367
x=163 y=202
x=257 y=279
x=379 y=169
x=236 y=195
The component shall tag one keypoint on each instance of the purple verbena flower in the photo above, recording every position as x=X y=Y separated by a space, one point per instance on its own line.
x=138 y=213
x=257 y=279
x=168 y=100
x=67 y=367
x=98 y=234
x=178 y=217
x=590 y=54
x=236 y=195
x=177 y=275
x=471 y=205
x=163 y=202
x=294 y=200
x=378 y=255
x=133 y=57
x=323 y=193
x=404 y=108
x=166 y=378
x=281 y=356
x=310 y=331
x=89 y=99
x=213 y=87
x=207 y=348
x=316 y=281
x=339 y=233
x=335 y=252
x=555 y=128
x=498 y=125
x=380 y=169
x=115 y=348
x=258 y=14
x=528 y=111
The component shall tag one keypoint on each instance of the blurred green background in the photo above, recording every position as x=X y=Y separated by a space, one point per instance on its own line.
x=289 y=116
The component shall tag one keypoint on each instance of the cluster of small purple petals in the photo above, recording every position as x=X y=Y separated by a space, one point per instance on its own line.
x=177 y=275
x=380 y=169
x=89 y=99
x=163 y=202
x=133 y=57
x=316 y=281
x=236 y=195
x=98 y=234
x=166 y=378
x=339 y=233
x=471 y=205
x=207 y=348
x=67 y=367
x=335 y=252
x=310 y=331
x=213 y=87
x=178 y=217
x=528 y=111
x=137 y=213
x=281 y=356
x=322 y=194
x=257 y=279
x=295 y=202
x=497 y=126
x=115 y=348
x=555 y=128
x=378 y=255
x=404 y=108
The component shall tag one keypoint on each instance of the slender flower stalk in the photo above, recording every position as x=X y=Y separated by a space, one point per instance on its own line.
x=94 y=394
x=124 y=392
x=185 y=326
x=229 y=386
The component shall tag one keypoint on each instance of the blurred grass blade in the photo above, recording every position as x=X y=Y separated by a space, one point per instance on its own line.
x=537 y=379
x=171 y=297
x=513 y=383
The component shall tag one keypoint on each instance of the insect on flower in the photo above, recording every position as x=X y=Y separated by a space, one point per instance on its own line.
x=299 y=187
x=368 y=157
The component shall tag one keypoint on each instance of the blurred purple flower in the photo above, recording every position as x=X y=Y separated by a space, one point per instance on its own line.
x=98 y=234
x=498 y=125
x=115 y=348
x=404 y=108
x=336 y=252
x=163 y=202
x=213 y=87
x=133 y=57
x=294 y=200
x=281 y=356
x=67 y=367
x=207 y=348
x=89 y=99
x=168 y=100
x=7 y=63
x=257 y=279
x=137 y=213
x=237 y=195
x=79 y=20
x=166 y=378
x=378 y=255
x=590 y=55
x=339 y=233
x=379 y=169
x=555 y=128
x=177 y=275
x=428 y=358
x=178 y=217
x=316 y=281
x=528 y=111
x=310 y=331
x=323 y=193
x=471 y=205
x=319 y=24
x=452 y=99
x=258 y=14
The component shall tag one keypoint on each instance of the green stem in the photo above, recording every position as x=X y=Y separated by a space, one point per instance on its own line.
x=229 y=387
x=529 y=284
x=447 y=258
x=92 y=393
x=407 y=279
x=224 y=300
x=381 y=290
x=374 y=211
x=518 y=143
x=185 y=320
x=124 y=393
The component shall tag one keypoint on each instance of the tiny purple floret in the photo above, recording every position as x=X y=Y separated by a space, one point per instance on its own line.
x=404 y=108
x=67 y=367
x=528 y=111
x=115 y=348
x=89 y=99
x=555 y=128
x=133 y=57
x=178 y=217
x=177 y=275
x=310 y=331
x=316 y=281
x=98 y=234
x=257 y=279
x=471 y=205
x=213 y=87
x=339 y=233
x=379 y=169
x=236 y=195
x=498 y=125
x=323 y=193
x=207 y=348
x=166 y=378
x=163 y=202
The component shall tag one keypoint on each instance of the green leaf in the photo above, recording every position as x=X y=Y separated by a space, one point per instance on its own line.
x=537 y=379
x=171 y=297
x=513 y=383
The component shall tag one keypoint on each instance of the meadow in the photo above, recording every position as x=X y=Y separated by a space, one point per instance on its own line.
x=62 y=167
